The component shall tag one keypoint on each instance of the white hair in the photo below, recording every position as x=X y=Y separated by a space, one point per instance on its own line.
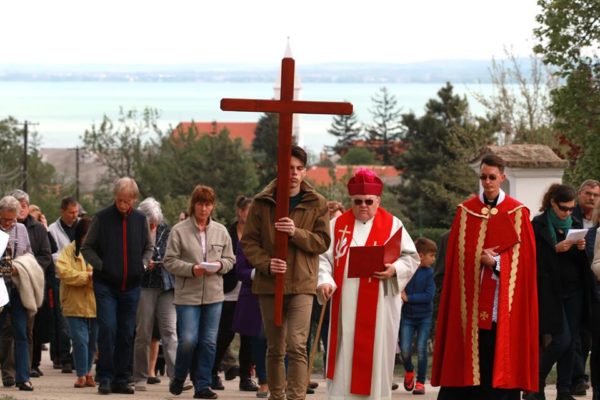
x=151 y=209
x=19 y=195
x=126 y=185
x=10 y=203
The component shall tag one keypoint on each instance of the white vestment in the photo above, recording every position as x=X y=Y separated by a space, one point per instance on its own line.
x=389 y=306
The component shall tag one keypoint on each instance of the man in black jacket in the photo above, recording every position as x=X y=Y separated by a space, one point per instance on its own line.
x=118 y=245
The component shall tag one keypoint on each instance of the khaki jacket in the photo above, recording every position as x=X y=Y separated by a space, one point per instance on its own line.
x=76 y=288
x=184 y=251
x=310 y=239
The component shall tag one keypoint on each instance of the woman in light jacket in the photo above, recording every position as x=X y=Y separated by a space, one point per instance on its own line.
x=79 y=304
x=199 y=253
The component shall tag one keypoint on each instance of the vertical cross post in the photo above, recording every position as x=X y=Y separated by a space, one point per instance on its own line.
x=286 y=107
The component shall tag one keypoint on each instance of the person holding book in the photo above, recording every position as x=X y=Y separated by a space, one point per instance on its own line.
x=364 y=285
x=417 y=312
x=486 y=343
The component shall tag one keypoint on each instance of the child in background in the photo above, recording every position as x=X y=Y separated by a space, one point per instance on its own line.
x=417 y=313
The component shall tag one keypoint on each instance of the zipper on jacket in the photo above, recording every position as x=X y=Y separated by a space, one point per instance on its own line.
x=124 y=284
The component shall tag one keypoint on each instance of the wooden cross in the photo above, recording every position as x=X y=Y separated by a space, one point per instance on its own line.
x=286 y=107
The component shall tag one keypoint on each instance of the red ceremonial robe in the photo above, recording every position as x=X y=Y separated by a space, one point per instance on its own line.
x=456 y=351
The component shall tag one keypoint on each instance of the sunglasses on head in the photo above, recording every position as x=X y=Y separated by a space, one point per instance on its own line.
x=358 y=202
x=565 y=208
x=485 y=177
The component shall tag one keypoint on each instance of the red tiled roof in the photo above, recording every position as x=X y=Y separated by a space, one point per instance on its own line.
x=242 y=130
x=320 y=175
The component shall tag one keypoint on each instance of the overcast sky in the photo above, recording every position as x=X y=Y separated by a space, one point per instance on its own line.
x=255 y=31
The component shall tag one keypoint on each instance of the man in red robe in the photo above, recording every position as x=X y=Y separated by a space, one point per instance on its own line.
x=486 y=344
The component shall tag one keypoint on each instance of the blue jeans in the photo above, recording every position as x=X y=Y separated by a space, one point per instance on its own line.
x=18 y=315
x=116 y=312
x=408 y=326
x=84 y=332
x=259 y=351
x=197 y=328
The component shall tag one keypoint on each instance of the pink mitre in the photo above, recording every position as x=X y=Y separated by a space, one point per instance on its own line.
x=365 y=182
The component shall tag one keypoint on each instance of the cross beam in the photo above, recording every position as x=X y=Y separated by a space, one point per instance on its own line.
x=286 y=107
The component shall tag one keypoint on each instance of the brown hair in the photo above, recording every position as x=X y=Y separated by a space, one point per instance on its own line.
x=425 y=246
x=300 y=154
x=242 y=202
x=201 y=194
x=67 y=201
x=559 y=193
x=493 y=161
x=81 y=230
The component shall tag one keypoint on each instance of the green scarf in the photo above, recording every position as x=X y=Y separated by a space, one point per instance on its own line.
x=555 y=223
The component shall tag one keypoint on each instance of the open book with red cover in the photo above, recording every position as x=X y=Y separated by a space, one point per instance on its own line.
x=364 y=261
x=500 y=233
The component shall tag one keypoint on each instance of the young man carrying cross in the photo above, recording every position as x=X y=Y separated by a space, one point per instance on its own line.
x=308 y=229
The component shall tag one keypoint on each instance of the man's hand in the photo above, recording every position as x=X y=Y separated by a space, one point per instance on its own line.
x=325 y=291
x=198 y=270
x=389 y=271
x=286 y=225
x=580 y=244
x=566 y=245
x=487 y=257
x=404 y=296
x=151 y=264
x=278 y=266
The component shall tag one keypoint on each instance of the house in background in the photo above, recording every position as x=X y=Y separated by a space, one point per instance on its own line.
x=242 y=130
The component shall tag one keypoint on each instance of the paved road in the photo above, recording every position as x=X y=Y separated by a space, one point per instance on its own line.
x=55 y=385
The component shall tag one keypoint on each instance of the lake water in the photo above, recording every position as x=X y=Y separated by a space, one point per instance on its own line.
x=64 y=110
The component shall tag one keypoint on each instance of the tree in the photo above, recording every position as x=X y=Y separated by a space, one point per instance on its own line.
x=386 y=127
x=436 y=174
x=44 y=187
x=358 y=156
x=122 y=145
x=346 y=129
x=521 y=100
x=265 y=146
x=213 y=160
x=568 y=38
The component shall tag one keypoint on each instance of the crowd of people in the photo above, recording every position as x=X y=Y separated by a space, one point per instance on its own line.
x=519 y=295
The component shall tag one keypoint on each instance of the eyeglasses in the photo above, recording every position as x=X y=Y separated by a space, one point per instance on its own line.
x=485 y=177
x=565 y=209
x=7 y=221
x=591 y=194
x=359 y=202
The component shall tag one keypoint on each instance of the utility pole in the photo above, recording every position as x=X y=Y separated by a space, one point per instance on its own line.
x=25 y=137
x=25 y=153
x=77 y=173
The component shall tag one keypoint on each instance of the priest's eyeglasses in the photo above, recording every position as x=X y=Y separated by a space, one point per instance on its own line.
x=359 y=202
x=565 y=208
x=485 y=177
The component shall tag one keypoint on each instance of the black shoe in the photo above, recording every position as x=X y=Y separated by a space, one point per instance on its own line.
x=25 y=386
x=56 y=365
x=104 y=388
x=8 y=382
x=579 y=389
x=564 y=396
x=206 y=393
x=313 y=385
x=176 y=387
x=217 y=384
x=310 y=391
x=232 y=373
x=395 y=386
x=67 y=368
x=122 y=388
x=34 y=373
x=248 y=385
x=153 y=380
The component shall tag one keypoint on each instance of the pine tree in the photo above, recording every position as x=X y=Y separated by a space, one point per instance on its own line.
x=386 y=127
x=346 y=129
x=436 y=172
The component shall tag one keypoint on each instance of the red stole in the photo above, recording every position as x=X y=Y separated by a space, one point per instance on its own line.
x=368 y=294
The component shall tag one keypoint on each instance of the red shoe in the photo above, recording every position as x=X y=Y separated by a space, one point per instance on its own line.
x=409 y=381
x=419 y=388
